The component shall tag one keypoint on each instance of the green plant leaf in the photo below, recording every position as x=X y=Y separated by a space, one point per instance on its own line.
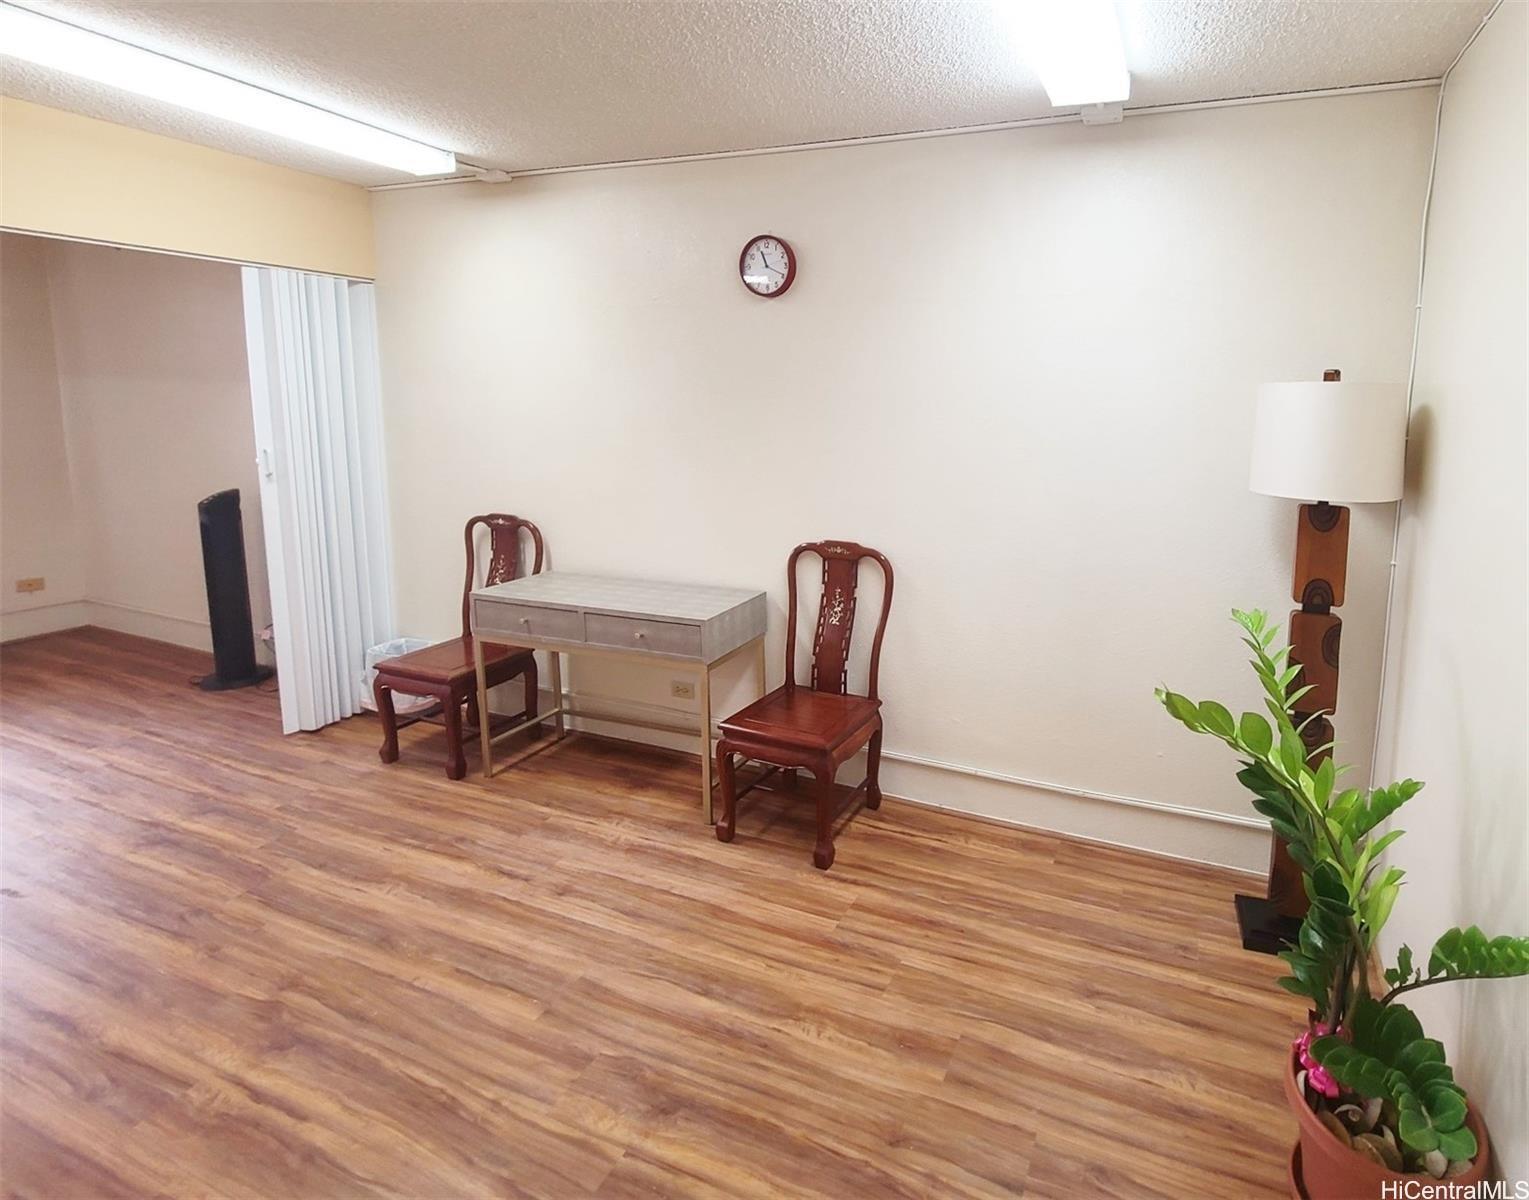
x=1466 y=953
x=1378 y=847
x=1276 y=808
x=1257 y=777
x=1388 y=1058
x=1402 y=972
x=1457 y=1144
x=1395 y=1028
x=1322 y=782
x=1181 y=708
x=1292 y=754
x=1217 y=719
x=1327 y=884
x=1434 y=1072
x=1360 y=1073
x=1360 y=868
x=1285 y=831
x=1378 y=907
x=1382 y=802
x=1255 y=734
x=1415 y=1054
x=1251 y=619
x=1416 y=1129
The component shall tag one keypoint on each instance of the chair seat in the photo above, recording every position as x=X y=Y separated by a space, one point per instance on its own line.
x=450 y=662
x=802 y=717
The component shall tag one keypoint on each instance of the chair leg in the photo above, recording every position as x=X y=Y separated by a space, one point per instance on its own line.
x=473 y=715
x=456 y=760
x=823 y=852
x=727 y=784
x=383 y=694
x=873 y=772
x=533 y=698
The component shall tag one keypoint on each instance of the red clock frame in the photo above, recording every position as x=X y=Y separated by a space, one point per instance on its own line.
x=790 y=266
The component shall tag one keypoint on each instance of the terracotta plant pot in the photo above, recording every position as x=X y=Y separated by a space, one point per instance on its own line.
x=1326 y=1169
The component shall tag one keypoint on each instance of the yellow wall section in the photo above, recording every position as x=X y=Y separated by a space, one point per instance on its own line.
x=74 y=176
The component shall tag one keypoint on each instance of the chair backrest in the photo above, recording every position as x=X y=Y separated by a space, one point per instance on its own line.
x=836 y=614
x=504 y=557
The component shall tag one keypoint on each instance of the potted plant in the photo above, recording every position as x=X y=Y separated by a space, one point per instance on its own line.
x=1374 y=1098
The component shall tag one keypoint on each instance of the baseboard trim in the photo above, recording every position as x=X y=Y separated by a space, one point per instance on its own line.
x=146 y=622
x=43 y=619
x=1195 y=835
x=1253 y=877
x=1203 y=836
x=187 y=632
x=1177 y=810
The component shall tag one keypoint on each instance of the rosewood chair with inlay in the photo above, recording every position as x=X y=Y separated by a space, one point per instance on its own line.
x=445 y=671
x=819 y=726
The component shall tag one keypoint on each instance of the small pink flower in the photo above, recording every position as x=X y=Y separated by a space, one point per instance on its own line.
x=1317 y=1077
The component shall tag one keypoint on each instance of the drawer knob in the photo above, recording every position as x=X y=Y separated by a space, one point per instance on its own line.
x=525 y=620
x=641 y=634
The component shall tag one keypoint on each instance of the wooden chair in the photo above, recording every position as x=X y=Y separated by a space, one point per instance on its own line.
x=820 y=726
x=445 y=671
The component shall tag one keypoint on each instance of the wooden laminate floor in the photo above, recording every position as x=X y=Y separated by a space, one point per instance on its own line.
x=242 y=965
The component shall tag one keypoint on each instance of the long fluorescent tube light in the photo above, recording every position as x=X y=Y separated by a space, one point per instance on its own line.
x=50 y=43
x=1075 y=47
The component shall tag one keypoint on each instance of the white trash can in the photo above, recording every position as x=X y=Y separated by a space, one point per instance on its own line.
x=402 y=703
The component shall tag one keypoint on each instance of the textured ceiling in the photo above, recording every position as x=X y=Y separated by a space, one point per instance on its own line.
x=539 y=83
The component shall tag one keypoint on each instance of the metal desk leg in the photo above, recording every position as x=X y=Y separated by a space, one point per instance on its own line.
x=703 y=678
x=759 y=665
x=485 y=742
x=556 y=661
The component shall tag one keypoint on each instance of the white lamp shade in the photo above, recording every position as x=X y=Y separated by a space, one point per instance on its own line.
x=1340 y=442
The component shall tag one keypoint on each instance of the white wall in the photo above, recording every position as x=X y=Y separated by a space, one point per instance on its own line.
x=1022 y=364
x=39 y=536
x=1455 y=708
x=153 y=391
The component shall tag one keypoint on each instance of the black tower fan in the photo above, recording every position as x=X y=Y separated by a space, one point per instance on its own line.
x=228 y=595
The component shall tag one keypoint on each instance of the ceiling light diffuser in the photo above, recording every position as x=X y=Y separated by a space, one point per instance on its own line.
x=35 y=38
x=1075 y=47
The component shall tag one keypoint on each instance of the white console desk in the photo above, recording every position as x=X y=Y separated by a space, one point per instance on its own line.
x=675 y=625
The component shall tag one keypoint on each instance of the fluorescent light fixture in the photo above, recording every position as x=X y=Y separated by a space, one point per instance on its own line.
x=35 y=38
x=1075 y=47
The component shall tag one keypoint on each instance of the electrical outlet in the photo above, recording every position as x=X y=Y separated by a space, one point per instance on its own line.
x=31 y=585
x=682 y=689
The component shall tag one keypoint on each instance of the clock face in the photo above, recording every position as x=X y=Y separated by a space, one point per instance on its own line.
x=767 y=266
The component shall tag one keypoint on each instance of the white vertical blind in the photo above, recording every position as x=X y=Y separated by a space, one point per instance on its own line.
x=318 y=433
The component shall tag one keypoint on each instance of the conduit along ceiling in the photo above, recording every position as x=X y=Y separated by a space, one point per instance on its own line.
x=547 y=83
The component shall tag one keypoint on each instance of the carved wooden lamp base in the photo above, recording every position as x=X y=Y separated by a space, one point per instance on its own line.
x=1269 y=922
x=1264 y=929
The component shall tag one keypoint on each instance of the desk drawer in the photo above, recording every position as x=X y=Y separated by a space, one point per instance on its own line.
x=532 y=620
x=655 y=637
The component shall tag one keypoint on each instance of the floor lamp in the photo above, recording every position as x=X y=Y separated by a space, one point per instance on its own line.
x=1329 y=444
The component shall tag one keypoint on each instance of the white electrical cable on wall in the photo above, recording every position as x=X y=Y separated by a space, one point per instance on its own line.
x=476 y=172
x=1412 y=370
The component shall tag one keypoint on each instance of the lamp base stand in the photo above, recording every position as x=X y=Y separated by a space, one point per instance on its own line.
x=215 y=683
x=1264 y=928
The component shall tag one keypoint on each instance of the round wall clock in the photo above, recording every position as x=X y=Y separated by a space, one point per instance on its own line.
x=767 y=266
